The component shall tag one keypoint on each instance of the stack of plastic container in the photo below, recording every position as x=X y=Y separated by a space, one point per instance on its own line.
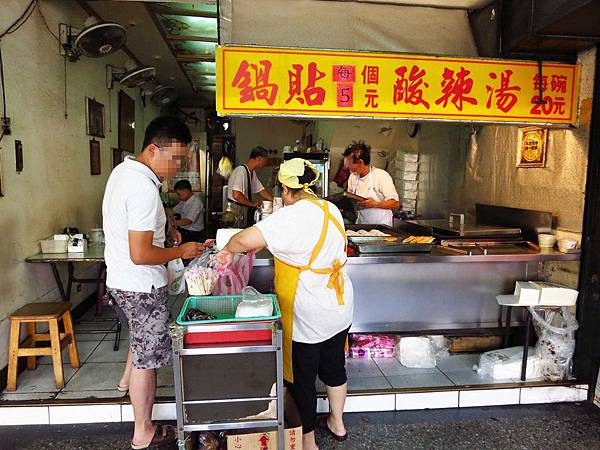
x=407 y=179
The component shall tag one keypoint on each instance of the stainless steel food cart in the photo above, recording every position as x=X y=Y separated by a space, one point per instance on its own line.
x=228 y=376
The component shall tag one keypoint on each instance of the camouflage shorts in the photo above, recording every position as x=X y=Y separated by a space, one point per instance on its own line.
x=148 y=321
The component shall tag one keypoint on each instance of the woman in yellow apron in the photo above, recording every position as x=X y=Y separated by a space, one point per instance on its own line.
x=308 y=241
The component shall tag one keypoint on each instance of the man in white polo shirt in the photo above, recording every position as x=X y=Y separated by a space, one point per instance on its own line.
x=136 y=278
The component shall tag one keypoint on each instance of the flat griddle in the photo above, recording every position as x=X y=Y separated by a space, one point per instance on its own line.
x=378 y=244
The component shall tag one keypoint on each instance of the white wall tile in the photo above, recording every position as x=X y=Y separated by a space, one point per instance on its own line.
x=489 y=397
x=161 y=411
x=85 y=414
x=364 y=403
x=550 y=394
x=427 y=400
x=24 y=415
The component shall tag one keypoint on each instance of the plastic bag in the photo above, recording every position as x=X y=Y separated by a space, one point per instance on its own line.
x=207 y=441
x=225 y=167
x=372 y=346
x=416 y=352
x=200 y=278
x=175 y=270
x=254 y=304
x=556 y=343
x=233 y=279
x=506 y=363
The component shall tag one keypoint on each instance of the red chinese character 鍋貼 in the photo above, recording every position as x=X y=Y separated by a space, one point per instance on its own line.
x=410 y=90
x=505 y=96
x=258 y=88
x=456 y=88
x=311 y=94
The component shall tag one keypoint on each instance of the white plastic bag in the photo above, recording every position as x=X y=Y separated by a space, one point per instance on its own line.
x=254 y=304
x=556 y=343
x=416 y=352
x=175 y=270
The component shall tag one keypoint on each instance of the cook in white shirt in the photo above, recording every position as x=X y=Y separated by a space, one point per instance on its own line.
x=244 y=182
x=190 y=211
x=376 y=185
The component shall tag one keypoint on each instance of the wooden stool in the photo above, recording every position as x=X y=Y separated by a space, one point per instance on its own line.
x=31 y=314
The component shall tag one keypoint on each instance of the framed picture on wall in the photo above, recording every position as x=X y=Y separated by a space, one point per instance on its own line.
x=94 y=117
x=532 y=147
x=126 y=122
x=95 y=166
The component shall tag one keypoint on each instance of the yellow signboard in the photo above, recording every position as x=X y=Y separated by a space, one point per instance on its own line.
x=326 y=83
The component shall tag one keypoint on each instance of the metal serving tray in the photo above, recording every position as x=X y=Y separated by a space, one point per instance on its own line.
x=378 y=244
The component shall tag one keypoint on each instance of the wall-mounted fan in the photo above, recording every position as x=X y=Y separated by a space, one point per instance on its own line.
x=163 y=95
x=95 y=40
x=131 y=75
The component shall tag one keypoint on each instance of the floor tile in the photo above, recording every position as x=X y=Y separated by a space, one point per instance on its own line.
x=489 y=397
x=364 y=403
x=84 y=349
x=105 y=353
x=41 y=379
x=457 y=362
x=470 y=377
x=24 y=415
x=164 y=376
x=365 y=383
x=362 y=368
x=16 y=397
x=392 y=367
x=161 y=411
x=422 y=380
x=96 y=376
x=89 y=326
x=426 y=400
x=550 y=394
x=90 y=336
x=84 y=414
x=64 y=395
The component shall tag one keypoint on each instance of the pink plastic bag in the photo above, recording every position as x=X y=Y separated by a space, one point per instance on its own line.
x=233 y=279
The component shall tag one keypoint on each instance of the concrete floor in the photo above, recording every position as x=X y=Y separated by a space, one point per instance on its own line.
x=554 y=426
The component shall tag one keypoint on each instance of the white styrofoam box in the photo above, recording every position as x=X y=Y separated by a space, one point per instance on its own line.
x=489 y=397
x=408 y=204
x=426 y=400
x=407 y=156
x=408 y=176
x=366 y=403
x=407 y=166
x=527 y=293
x=24 y=415
x=552 y=294
x=84 y=414
x=61 y=237
x=506 y=363
x=406 y=185
x=412 y=195
x=550 y=394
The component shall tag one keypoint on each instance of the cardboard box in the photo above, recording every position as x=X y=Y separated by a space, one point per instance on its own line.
x=265 y=441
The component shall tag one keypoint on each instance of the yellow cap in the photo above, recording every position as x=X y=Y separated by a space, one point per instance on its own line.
x=291 y=171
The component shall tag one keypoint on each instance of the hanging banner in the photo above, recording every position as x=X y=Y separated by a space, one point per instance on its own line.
x=326 y=83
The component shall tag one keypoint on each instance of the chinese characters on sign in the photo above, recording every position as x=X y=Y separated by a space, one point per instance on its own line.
x=329 y=83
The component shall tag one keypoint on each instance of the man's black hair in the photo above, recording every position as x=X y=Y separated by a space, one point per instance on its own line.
x=258 y=152
x=359 y=151
x=183 y=185
x=164 y=129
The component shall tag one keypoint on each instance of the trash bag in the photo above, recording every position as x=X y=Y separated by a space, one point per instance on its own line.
x=175 y=270
x=556 y=341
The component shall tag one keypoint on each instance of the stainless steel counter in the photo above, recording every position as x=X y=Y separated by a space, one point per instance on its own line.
x=429 y=291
